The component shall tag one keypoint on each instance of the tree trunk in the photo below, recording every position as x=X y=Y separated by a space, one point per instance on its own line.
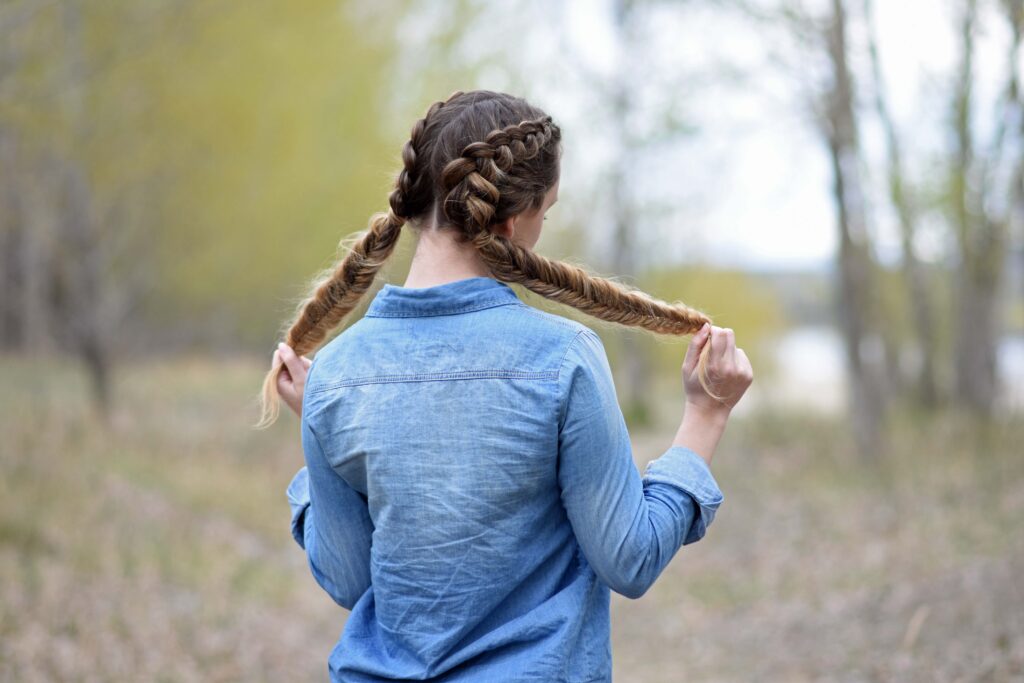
x=981 y=243
x=85 y=261
x=856 y=284
x=11 y=229
x=84 y=267
x=920 y=302
x=636 y=371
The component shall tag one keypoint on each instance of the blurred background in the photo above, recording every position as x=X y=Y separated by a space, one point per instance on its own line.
x=839 y=181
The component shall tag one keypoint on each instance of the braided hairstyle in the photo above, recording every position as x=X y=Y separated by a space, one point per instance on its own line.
x=471 y=162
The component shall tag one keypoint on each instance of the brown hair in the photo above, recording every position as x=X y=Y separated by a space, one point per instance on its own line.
x=471 y=162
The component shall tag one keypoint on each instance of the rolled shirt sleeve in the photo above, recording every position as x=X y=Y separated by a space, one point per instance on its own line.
x=683 y=469
x=628 y=527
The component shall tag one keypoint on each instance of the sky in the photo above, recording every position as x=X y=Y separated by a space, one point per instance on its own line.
x=752 y=187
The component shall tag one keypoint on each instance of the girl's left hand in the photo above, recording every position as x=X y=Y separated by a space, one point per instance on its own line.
x=291 y=382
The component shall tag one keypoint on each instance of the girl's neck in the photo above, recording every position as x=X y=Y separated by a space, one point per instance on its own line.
x=440 y=259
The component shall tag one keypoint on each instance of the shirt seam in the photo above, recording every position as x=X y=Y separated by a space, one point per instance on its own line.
x=555 y=318
x=563 y=402
x=435 y=376
x=476 y=306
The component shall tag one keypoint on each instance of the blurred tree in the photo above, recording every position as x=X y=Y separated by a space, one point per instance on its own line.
x=983 y=190
x=1015 y=15
x=639 y=101
x=829 y=95
x=816 y=56
x=270 y=122
x=625 y=223
x=858 y=319
x=76 y=267
x=980 y=202
x=168 y=168
x=901 y=195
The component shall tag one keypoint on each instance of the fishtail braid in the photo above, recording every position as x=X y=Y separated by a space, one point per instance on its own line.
x=472 y=181
x=338 y=292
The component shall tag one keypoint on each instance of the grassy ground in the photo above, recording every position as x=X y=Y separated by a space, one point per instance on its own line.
x=157 y=549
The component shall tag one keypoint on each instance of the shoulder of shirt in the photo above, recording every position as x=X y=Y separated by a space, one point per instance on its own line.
x=576 y=339
x=559 y=326
x=581 y=353
x=333 y=347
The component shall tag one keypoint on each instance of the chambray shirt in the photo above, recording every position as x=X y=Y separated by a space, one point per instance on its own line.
x=470 y=492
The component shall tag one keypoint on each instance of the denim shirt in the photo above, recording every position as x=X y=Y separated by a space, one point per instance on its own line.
x=470 y=492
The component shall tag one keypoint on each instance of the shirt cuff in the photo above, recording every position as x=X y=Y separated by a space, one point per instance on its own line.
x=298 y=499
x=685 y=470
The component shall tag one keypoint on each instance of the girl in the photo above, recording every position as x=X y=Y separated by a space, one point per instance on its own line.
x=469 y=490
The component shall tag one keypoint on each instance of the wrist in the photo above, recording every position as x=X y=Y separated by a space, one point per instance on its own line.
x=701 y=429
x=716 y=415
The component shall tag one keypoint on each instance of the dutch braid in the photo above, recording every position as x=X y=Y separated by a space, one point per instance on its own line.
x=471 y=180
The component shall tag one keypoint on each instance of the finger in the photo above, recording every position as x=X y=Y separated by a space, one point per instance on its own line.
x=730 y=343
x=276 y=359
x=288 y=395
x=286 y=385
x=306 y=362
x=743 y=364
x=719 y=344
x=291 y=361
x=693 y=351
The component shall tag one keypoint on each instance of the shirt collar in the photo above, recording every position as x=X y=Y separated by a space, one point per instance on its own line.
x=458 y=296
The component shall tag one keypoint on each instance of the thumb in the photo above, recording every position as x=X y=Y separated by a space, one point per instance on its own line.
x=693 y=351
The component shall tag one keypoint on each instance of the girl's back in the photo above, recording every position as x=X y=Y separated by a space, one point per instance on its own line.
x=442 y=408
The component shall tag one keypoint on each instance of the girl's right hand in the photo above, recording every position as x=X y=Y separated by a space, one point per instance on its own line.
x=729 y=370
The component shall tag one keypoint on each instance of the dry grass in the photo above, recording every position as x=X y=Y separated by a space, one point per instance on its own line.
x=157 y=549
x=825 y=564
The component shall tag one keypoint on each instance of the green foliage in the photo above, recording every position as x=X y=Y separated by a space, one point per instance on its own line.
x=241 y=141
x=275 y=115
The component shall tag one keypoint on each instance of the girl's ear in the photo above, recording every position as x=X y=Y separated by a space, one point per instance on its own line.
x=507 y=228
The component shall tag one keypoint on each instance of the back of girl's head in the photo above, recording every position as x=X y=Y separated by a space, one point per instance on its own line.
x=474 y=160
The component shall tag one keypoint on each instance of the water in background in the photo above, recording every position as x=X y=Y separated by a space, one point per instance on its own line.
x=810 y=373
